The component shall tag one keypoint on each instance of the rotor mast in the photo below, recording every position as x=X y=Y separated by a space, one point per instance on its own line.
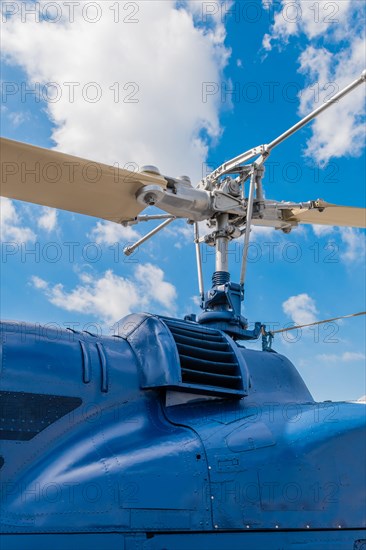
x=222 y=244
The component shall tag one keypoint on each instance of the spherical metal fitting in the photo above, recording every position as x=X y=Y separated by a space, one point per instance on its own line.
x=234 y=188
x=150 y=169
x=149 y=195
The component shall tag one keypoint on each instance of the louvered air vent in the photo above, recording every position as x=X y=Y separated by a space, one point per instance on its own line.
x=208 y=360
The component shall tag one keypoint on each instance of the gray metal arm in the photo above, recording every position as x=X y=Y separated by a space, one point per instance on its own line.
x=255 y=181
x=232 y=164
x=317 y=112
x=264 y=150
x=129 y=249
x=146 y=218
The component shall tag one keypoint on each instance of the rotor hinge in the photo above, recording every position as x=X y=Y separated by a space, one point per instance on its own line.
x=233 y=166
x=230 y=232
x=319 y=204
x=223 y=202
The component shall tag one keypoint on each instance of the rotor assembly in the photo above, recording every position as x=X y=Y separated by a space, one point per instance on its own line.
x=230 y=210
x=230 y=200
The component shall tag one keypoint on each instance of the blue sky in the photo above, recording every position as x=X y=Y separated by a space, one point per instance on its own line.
x=196 y=86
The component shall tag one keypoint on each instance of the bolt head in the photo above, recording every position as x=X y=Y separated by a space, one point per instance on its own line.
x=150 y=199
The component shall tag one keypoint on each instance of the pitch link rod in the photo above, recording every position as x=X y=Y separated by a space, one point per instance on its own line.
x=249 y=214
x=316 y=112
x=148 y=217
x=128 y=250
x=145 y=218
x=199 y=260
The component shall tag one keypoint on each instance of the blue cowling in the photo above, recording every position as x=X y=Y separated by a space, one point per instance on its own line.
x=185 y=356
x=135 y=433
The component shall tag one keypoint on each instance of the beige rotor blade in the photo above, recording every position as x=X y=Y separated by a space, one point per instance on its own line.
x=330 y=215
x=50 y=178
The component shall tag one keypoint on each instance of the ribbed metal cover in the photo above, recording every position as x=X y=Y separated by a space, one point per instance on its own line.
x=208 y=360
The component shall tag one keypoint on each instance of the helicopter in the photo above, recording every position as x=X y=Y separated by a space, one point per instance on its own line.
x=171 y=433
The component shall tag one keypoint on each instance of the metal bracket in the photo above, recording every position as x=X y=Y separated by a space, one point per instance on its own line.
x=222 y=308
x=233 y=165
x=128 y=250
x=267 y=339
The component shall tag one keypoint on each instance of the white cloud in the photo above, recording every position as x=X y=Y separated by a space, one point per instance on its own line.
x=110 y=233
x=301 y=309
x=352 y=356
x=314 y=20
x=258 y=231
x=159 y=65
x=322 y=230
x=196 y=300
x=186 y=231
x=181 y=233
x=10 y=224
x=38 y=283
x=331 y=72
x=327 y=70
x=151 y=281
x=18 y=118
x=266 y=42
x=345 y=357
x=111 y=297
x=267 y=4
x=48 y=219
x=354 y=245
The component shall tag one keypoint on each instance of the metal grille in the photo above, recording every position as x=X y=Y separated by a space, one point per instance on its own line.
x=207 y=358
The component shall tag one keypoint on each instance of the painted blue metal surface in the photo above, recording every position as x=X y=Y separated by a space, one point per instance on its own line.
x=139 y=463
x=308 y=540
x=187 y=356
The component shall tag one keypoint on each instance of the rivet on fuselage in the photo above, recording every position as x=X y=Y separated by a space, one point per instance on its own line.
x=308 y=527
x=212 y=497
x=216 y=526
x=248 y=526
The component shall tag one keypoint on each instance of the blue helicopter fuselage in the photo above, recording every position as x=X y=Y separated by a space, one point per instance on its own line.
x=169 y=435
